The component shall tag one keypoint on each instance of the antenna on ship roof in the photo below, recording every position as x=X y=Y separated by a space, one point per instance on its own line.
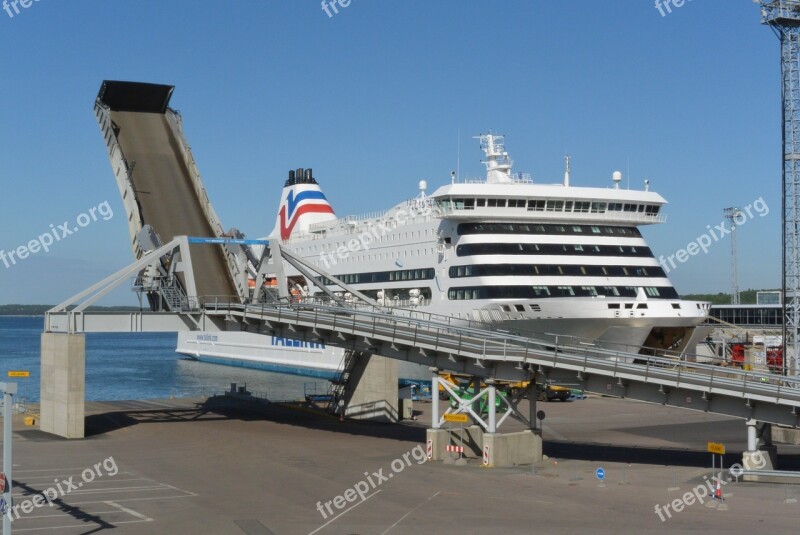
x=629 y=172
x=566 y=170
x=458 y=157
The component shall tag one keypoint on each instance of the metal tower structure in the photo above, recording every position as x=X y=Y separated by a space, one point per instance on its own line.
x=783 y=16
x=731 y=214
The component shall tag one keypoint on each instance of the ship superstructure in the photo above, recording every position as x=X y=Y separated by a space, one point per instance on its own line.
x=550 y=259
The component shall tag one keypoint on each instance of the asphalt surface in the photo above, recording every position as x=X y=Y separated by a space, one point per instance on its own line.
x=186 y=466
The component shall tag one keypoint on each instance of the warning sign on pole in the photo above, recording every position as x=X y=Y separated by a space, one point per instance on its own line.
x=486 y=456
x=460 y=418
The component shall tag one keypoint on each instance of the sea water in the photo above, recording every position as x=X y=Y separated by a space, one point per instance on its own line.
x=137 y=366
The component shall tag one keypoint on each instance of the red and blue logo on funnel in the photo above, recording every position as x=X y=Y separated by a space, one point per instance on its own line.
x=305 y=202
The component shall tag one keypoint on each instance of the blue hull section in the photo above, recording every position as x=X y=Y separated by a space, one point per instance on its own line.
x=266 y=366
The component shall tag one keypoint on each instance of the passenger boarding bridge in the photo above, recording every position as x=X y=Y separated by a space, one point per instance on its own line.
x=195 y=284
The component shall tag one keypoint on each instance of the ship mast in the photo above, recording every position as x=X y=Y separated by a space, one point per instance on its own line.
x=498 y=164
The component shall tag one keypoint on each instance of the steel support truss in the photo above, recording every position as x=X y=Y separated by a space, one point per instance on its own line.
x=466 y=406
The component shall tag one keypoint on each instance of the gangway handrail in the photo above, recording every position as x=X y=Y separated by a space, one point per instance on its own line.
x=684 y=370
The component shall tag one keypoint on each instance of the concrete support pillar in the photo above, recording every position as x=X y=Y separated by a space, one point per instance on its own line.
x=492 y=395
x=63 y=384
x=372 y=392
x=435 y=398
x=752 y=437
x=532 y=394
x=758 y=456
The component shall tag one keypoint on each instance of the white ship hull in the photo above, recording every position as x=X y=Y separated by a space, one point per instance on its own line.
x=275 y=354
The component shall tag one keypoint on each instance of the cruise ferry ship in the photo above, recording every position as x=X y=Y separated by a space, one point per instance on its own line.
x=551 y=260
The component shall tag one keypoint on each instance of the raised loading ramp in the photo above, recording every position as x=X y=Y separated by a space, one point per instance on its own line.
x=159 y=182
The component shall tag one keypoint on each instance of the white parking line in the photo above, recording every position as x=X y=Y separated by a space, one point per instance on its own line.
x=118 y=494
x=94 y=491
x=390 y=528
x=54 y=476
x=87 y=513
x=81 y=526
x=17 y=470
x=131 y=512
x=138 y=499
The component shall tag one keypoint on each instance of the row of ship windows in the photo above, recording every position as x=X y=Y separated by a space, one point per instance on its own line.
x=542 y=205
x=533 y=292
x=475 y=249
x=493 y=270
x=383 y=276
x=465 y=229
x=490 y=270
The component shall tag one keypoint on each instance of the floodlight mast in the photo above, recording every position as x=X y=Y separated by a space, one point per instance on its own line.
x=783 y=16
x=732 y=214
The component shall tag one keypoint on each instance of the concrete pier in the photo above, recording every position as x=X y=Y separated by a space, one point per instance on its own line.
x=270 y=470
x=63 y=384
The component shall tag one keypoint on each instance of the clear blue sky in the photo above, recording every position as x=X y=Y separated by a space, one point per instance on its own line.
x=373 y=99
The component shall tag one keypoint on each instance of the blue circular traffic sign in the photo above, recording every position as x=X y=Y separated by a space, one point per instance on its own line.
x=600 y=473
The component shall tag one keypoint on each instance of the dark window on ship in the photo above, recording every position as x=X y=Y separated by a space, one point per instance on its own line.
x=598 y=207
x=530 y=292
x=652 y=209
x=476 y=249
x=545 y=229
x=382 y=276
x=541 y=291
x=499 y=270
x=536 y=205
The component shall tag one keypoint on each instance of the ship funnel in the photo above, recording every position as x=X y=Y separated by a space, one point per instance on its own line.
x=302 y=205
